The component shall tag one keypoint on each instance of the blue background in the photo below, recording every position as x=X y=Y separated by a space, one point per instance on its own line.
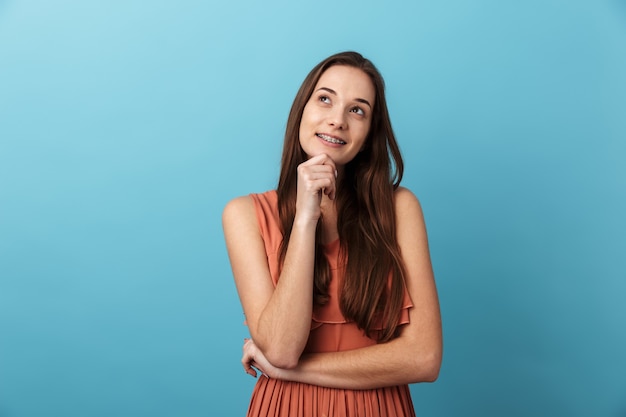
x=125 y=127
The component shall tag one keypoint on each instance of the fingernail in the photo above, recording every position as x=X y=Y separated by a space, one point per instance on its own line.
x=335 y=173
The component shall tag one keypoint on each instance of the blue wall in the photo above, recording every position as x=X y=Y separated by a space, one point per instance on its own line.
x=126 y=126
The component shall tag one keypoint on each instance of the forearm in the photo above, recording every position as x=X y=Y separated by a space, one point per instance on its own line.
x=393 y=363
x=283 y=327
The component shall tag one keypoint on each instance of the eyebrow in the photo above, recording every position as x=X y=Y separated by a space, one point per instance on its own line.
x=331 y=91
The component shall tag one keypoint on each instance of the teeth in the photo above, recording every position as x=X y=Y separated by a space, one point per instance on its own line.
x=331 y=139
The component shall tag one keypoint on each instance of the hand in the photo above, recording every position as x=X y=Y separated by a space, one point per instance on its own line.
x=316 y=176
x=253 y=358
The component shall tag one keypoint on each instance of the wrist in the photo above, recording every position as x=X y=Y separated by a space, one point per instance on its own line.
x=304 y=223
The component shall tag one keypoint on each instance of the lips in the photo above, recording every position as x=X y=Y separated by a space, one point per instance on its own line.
x=330 y=139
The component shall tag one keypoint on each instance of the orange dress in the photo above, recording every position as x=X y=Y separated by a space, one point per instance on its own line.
x=330 y=332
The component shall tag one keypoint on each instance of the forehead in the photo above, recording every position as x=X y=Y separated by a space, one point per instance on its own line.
x=349 y=82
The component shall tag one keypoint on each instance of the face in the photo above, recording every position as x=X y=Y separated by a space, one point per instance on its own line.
x=338 y=115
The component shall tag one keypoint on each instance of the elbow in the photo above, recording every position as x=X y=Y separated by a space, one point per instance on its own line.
x=431 y=372
x=431 y=367
x=427 y=368
x=282 y=355
x=281 y=359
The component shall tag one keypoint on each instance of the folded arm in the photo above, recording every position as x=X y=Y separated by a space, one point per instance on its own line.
x=415 y=356
x=279 y=319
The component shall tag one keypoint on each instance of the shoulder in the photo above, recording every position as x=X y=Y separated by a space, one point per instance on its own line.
x=239 y=217
x=247 y=205
x=409 y=217
x=254 y=214
x=238 y=207
x=406 y=202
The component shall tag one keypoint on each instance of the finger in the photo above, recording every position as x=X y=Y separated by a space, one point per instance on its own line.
x=321 y=165
x=256 y=365
x=249 y=369
x=317 y=159
x=246 y=362
x=325 y=185
x=322 y=176
x=321 y=159
x=332 y=193
x=315 y=183
x=314 y=188
x=316 y=171
x=306 y=171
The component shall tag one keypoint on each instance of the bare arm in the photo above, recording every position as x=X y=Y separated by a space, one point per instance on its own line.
x=415 y=356
x=279 y=318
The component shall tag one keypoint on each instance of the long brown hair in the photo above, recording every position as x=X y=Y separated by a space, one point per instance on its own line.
x=373 y=287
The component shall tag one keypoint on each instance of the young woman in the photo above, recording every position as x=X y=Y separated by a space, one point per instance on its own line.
x=332 y=268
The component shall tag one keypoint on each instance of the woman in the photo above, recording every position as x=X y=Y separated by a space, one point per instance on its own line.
x=332 y=268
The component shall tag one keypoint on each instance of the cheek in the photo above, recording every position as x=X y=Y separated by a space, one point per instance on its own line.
x=309 y=115
x=364 y=133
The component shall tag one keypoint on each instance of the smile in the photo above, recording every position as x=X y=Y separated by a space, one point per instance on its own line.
x=330 y=139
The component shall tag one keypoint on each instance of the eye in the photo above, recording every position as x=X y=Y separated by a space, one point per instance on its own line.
x=324 y=99
x=357 y=110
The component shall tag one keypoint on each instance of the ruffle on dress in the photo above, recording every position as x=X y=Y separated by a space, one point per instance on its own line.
x=330 y=313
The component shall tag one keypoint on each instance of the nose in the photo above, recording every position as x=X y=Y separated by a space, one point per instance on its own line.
x=337 y=118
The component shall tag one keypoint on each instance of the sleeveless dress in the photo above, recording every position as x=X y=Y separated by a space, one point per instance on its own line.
x=330 y=332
